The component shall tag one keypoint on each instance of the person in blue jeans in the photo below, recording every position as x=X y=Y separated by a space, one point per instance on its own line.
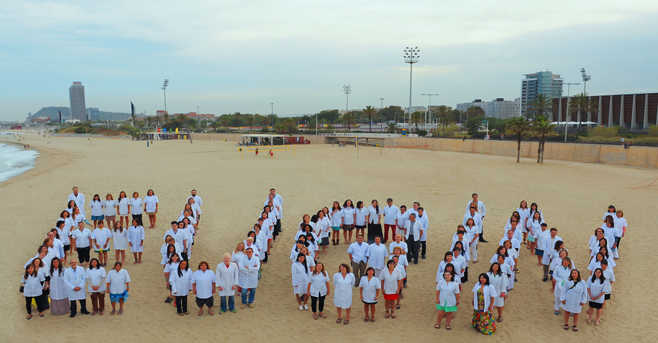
x=227 y=283
x=248 y=269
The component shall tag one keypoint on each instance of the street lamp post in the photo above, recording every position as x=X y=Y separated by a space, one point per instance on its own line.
x=347 y=89
x=411 y=56
x=566 y=116
x=165 y=83
x=428 y=114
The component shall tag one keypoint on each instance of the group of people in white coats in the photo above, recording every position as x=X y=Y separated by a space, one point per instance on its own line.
x=48 y=284
x=376 y=269
x=237 y=272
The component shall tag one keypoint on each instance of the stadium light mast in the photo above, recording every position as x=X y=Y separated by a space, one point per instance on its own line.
x=347 y=89
x=411 y=56
x=165 y=83
x=586 y=77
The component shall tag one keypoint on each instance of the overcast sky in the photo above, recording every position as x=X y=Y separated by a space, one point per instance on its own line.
x=229 y=56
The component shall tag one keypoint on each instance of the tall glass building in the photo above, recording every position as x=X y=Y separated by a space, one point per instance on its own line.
x=77 y=98
x=543 y=82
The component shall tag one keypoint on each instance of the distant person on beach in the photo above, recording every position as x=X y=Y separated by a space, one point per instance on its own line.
x=79 y=199
x=136 y=207
x=390 y=212
x=348 y=217
x=481 y=209
x=151 y=205
x=81 y=241
x=343 y=283
x=120 y=242
x=123 y=209
x=109 y=210
x=96 y=210
x=136 y=241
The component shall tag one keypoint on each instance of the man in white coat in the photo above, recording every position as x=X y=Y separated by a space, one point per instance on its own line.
x=79 y=199
x=377 y=256
x=248 y=266
x=415 y=231
x=227 y=283
x=482 y=211
x=75 y=277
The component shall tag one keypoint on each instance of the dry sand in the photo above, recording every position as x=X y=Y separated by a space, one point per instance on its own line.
x=233 y=185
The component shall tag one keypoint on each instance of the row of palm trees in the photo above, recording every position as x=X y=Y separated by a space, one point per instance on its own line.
x=523 y=127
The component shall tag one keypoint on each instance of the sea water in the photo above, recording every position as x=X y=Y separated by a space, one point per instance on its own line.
x=15 y=160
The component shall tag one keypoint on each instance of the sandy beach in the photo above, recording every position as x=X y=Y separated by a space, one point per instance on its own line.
x=573 y=196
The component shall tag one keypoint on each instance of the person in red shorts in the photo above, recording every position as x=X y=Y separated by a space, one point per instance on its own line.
x=391 y=285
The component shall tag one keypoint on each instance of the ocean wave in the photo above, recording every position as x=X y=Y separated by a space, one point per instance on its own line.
x=15 y=161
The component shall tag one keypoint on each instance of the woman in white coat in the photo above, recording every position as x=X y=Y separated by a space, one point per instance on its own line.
x=300 y=278
x=33 y=284
x=75 y=277
x=499 y=281
x=560 y=277
x=318 y=289
x=181 y=285
x=597 y=286
x=574 y=296
x=343 y=283
x=227 y=283
x=96 y=286
x=136 y=241
x=248 y=268
x=483 y=301
x=59 y=292
x=447 y=298
x=120 y=241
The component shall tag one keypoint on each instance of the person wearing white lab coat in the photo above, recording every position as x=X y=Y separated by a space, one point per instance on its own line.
x=524 y=212
x=398 y=242
x=118 y=285
x=33 y=284
x=79 y=199
x=597 y=286
x=415 y=232
x=369 y=287
x=483 y=301
x=499 y=281
x=203 y=287
x=181 y=285
x=300 y=276
x=573 y=297
x=227 y=283
x=473 y=231
x=136 y=206
x=447 y=299
x=481 y=209
x=136 y=240
x=390 y=213
x=59 y=292
x=561 y=275
x=96 y=286
x=343 y=283
x=248 y=268
x=422 y=217
x=75 y=277
x=377 y=256
x=318 y=289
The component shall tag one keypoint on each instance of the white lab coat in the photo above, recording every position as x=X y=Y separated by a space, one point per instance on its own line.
x=447 y=292
x=33 y=285
x=574 y=296
x=499 y=282
x=227 y=277
x=318 y=284
x=248 y=272
x=135 y=238
x=96 y=277
x=597 y=287
x=76 y=278
x=181 y=285
x=488 y=291
x=58 y=288
x=343 y=290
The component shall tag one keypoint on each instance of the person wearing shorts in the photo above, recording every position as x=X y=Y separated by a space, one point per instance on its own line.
x=391 y=286
x=348 y=218
x=118 y=284
x=447 y=299
x=369 y=287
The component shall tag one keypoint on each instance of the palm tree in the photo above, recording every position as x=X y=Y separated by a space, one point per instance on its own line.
x=348 y=118
x=579 y=104
x=371 y=113
x=542 y=128
x=443 y=112
x=518 y=127
x=540 y=106
x=416 y=118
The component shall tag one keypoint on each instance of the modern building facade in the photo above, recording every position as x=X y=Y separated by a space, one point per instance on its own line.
x=544 y=82
x=498 y=108
x=77 y=98
x=632 y=111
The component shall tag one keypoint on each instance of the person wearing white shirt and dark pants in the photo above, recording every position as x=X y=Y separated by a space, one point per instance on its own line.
x=374 y=221
x=482 y=211
x=75 y=277
x=358 y=253
x=415 y=231
x=249 y=266
x=391 y=213
x=203 y=286
x=181 y=284
x=422 y=218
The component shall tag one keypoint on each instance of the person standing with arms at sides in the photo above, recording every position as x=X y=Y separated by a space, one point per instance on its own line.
x=197 y=201
x=300 y=279
x=33 y=284
x=136 y=207
x=96 y=210
x=498 y=280
x=96 y=286
x=447 y=299
x=120 y=241
x=101 y=238
x=248 y=268
x=374 y=221
x=524 y=212
x=123 y=209
x=358 y=253
x=136 y=241
x=75 y=277
x=343 y=283
x=424 y=221
x=203 y=287
x=151 y=204
x=78 y=198
x=597 y=286
x=369 y=287
x=64 y=233
x=391 y=287
x=360 y=218
x=109 y=210
x=481 y=209
x=59 y=292
x=336 y=218
x=118 y=284
x=181 y=285
x=401 y=223
x=318 y=289
x=415 y=231
x=348 y=217
x=560 y=275
x=227 y=283
x=620 y=230
x=573 y=297
x=81 y=242
x=483 y=302
x=472 y=234
x=391 y=213
x=377 y=256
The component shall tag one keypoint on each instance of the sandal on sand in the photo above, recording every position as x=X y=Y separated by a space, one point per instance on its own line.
x=338 y=321
x=366 y=319
x=448 y=327
x=437 y=326
x=393 y=316
x=386 y=315
x=565 y=326
x=500 y=319
x=346 y=321
x=575 y=328
x=372 y=319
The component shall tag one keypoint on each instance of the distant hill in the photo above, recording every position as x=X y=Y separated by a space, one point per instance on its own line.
x=52 y=113
x=94 y=114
